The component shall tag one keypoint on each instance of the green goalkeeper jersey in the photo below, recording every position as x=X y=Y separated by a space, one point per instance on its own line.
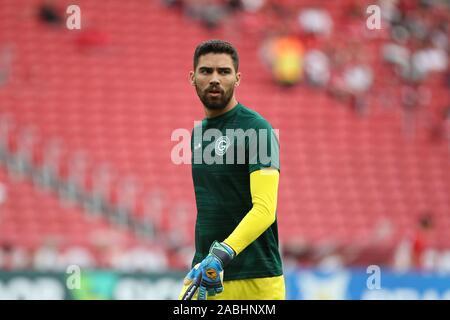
x=225 y=150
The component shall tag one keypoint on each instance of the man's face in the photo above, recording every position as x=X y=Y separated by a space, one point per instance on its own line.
x=215 y=79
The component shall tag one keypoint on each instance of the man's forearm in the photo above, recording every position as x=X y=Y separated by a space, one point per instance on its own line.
x=264 y=190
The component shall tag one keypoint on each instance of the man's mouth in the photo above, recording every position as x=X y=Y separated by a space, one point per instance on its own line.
x=214 y=93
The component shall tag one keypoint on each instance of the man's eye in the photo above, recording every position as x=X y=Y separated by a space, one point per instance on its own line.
x=225 y=71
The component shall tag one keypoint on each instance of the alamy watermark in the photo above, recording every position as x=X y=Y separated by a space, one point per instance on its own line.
x=374 y=280
x=236 y=146
x=73 y=281
x=73 y=21
x=373 y=22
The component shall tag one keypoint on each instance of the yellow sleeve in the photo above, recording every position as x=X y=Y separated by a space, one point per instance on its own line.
x=264 y=191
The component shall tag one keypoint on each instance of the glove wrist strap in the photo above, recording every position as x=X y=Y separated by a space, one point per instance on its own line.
x=223 y=252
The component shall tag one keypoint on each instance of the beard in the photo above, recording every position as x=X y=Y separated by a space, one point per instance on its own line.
x=214 y=102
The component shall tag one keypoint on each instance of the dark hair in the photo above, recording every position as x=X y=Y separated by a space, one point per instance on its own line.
x=426 y=220
x=216 y=46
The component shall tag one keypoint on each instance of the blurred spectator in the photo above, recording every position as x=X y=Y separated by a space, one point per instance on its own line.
x=284 y=57
x=14 y=258
x=433 y=261
x=421 y=239
x=398 y=55
x=100 y=192
x=77 y=255
x=49 y=13
x=140 y=259
x=74 y=185
x=413 y=97
x=374 y=248
x=420 y=39
x=23 y=159
x=105 y=244
x=427 y=60
x=410 y=253
x=3 y=256
x=317 y=68
x=400 y=34
x=179 y=256
x=234 y=5
x=210 y=13
x=5 y=249
x=92 y=39
x=277 y=18
x=389 y=10
x=331 y=262
x=5 y=137
x=46 y=257
x=439 y=36
x=47 y=175
x=358 y=80
x=153 y=208
x=315 y=21
x=442 y=261
x=402 y=257
x=126 y=200
x=173 y=3
x=352 y=81
x=410 y=102
x=296 y=252
x=440 y=129
x=252 y=5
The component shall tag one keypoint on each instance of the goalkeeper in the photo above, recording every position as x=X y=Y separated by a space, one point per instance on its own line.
x=236 y=235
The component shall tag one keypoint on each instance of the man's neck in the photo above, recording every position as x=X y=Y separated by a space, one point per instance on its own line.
x=212 y=113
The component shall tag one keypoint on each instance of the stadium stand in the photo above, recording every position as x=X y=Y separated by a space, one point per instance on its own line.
x=119 y=100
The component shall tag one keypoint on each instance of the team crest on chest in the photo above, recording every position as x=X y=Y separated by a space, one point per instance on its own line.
x=222 y=145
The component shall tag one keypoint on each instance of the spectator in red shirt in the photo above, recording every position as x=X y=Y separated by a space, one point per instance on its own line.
x=421 y=239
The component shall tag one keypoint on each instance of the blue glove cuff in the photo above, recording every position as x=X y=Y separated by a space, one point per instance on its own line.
x=229 y=249
x=223 y=252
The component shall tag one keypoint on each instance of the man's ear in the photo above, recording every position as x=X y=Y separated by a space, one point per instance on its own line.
x=192 y=77
x=238 y=79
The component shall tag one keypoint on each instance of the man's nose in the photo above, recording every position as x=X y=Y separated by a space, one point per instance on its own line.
x=214 y=79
